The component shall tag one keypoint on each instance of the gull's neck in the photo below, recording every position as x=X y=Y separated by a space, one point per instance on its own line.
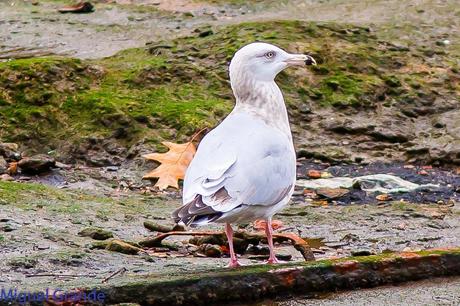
x=264 y=100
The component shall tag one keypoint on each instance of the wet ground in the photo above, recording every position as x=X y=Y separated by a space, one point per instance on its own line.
x=35 y=27
x=445 y=177
x=438 y=291
x=40 y=226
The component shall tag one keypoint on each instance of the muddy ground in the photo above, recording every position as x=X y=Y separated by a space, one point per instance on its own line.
x=118 y=25
x=40 y=225
x=441 y=291
x=41 y=216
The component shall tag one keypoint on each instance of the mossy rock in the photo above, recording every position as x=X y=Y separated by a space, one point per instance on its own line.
x=96 y=233
x=23 y=262
x=122 y=247
x=176 y=87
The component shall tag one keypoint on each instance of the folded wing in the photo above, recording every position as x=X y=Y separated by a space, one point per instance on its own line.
x=241 y=162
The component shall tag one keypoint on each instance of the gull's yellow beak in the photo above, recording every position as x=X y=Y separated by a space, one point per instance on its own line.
x=300 y=60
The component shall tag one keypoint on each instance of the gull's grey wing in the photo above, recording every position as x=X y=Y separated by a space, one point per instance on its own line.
x=242 y=161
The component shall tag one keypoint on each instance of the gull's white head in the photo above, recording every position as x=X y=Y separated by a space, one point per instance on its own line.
x=262 y=62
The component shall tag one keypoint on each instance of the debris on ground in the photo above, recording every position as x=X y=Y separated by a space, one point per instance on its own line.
x=82 y=7
x=36 y=164
x=96 y=233
x=384 y=183
x=242 y=240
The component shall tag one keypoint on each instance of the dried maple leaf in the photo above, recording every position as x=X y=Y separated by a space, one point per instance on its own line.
x=260 y=224
x=13 y=168
x=174 y=163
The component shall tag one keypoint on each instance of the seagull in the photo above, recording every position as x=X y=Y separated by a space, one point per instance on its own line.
x=245 y=168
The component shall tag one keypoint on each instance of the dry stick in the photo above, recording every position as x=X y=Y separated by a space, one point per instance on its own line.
x=154 y=227
x=299 y=244
x=122 y=270
x=60 y=275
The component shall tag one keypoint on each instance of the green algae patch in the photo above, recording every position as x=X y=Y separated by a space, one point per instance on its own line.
x=74 y=204
x=311 y=265
x=13 y=191
x=172 y=88
x=264 y=281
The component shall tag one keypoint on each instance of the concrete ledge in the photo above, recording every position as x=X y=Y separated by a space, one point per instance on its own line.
x=258 y=282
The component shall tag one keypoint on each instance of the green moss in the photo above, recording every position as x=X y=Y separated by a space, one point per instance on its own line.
x=257 y=269
x=58 y=203
x=172 y=88
x=26 y=262
x=67 y=257
x=11 y=192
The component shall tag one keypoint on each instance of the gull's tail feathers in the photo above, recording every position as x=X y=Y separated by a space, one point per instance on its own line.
x=195 y=213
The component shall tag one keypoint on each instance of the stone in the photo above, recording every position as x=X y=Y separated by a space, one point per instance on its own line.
x=10 y=151
x=350 y=237
x=63 y=166
x=36 y=164
x=95 y=233
x=9 y=227
x=210 y=250
x=82 y=7
x=3 y=165
x=101 y=159
x=258 y=250
x=332 y=193
x=6 y=178
x=390 y=135
x=122 y=247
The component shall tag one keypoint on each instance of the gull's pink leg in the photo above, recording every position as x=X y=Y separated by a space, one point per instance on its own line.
x=269 y=231
x=233 y=260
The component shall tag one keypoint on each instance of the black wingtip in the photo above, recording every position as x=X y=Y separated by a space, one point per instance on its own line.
x=310 y=61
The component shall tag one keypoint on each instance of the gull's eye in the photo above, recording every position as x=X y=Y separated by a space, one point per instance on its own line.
x=270 y=54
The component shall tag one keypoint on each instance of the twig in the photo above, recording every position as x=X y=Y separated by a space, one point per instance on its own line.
x=299 y=244
x=60 y=275
x=284 y=229
x=156 y=241
x=122 y=270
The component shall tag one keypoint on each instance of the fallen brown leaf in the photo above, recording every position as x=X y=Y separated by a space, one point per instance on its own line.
x=314 y=174
x=174 y=163
x=261 y=224
x=13 y=168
